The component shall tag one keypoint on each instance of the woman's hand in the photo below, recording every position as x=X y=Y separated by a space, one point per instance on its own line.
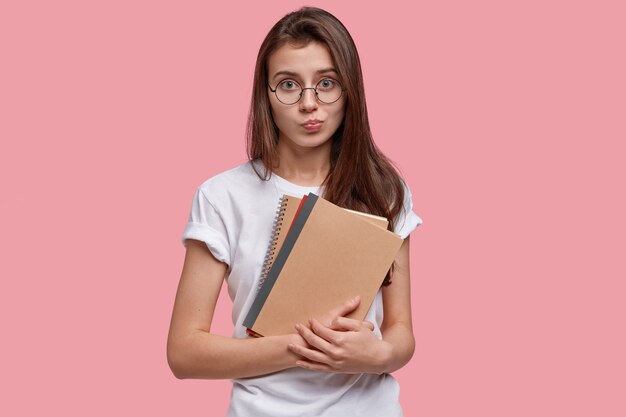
x=343 y=345
x=297 y=340
x=346 y=345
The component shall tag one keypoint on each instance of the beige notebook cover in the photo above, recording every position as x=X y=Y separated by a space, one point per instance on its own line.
x=337 y=255
x=289 y=207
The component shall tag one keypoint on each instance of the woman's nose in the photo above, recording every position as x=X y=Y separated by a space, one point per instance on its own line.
x=308 y=101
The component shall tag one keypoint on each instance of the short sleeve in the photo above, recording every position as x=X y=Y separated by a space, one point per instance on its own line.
x=206 y=224
x=407 y=220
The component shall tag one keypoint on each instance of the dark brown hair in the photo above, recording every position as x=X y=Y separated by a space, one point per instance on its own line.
x=360 y=176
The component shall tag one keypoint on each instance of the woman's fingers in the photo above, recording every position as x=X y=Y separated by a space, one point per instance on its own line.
x=310 y=354
x=346 y=324
x=348 y=347
x=313 y=339
x=342 y=310
x=331 y=336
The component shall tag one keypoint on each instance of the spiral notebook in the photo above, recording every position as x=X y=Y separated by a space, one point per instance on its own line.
x=327 y=256
x=288 y=207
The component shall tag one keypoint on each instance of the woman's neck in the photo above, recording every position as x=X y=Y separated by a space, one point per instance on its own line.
x=303 y=166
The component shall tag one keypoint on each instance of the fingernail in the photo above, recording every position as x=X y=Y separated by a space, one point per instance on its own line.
x=298 y=327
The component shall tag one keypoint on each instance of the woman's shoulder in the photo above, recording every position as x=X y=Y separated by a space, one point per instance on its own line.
x=237 y=176
x=240 y=183
x=407 y=220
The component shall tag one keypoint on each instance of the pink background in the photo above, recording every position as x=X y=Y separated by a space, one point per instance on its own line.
x=507 y=120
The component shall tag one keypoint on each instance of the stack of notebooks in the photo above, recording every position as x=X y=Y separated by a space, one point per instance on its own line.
x=320 y=256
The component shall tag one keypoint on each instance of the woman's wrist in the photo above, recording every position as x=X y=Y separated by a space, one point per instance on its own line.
x=292 y=339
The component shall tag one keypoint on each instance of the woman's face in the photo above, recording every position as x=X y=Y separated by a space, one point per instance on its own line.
x=306 y=66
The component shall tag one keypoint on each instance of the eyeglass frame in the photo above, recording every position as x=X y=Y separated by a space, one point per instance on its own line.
x=307 y=88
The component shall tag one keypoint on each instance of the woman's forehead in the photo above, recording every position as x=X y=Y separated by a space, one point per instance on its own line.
x=310 y=60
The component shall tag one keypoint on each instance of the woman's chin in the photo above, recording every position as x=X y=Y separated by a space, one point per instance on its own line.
x=308 y=142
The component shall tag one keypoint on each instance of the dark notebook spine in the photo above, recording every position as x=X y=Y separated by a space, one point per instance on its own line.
x=281 y=258
x=270 y=255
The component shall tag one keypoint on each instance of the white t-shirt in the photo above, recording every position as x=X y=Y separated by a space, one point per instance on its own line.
x=233 y=213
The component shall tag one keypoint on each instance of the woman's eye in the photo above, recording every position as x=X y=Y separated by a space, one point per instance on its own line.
x=288 y=85
x=326 y=83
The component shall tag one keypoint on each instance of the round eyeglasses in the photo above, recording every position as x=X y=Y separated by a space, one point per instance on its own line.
x=289 y=92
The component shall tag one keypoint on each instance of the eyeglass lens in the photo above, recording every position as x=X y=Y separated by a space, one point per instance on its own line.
x=327 y=91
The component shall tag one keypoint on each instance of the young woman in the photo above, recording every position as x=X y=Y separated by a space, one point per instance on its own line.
x=308 y=132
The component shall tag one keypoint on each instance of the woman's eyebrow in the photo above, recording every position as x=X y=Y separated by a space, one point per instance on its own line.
x=294 y=74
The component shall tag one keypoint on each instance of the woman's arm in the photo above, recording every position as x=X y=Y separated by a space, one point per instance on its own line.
x=397 y=326
x=350 y=346
x=193 y=352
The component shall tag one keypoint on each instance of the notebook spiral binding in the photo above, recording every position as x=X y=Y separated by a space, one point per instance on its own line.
x=271 y=249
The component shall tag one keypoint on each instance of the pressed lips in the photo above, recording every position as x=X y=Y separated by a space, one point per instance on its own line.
x=312 y=124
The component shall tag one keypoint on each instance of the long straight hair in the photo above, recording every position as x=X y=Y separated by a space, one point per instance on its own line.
x=360 y=176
